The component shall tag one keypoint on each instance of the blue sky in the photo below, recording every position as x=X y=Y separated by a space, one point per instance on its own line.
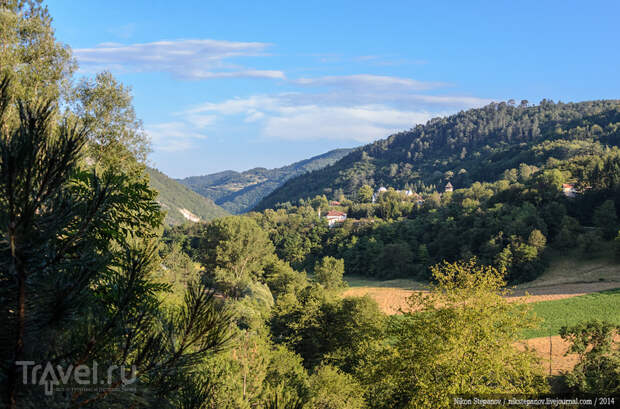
x=239 y=84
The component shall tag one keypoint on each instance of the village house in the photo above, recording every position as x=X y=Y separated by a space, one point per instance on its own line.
x=375 y=195
x=569 y=190
x=334 y=217
x=407 y=193
x=449 y=187
x=418 y=199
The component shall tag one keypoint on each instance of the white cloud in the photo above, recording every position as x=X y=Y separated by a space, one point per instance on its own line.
x=201 y=121
x=360 y=108
x=236 y=106
x=190 y=59
x=254 y=116
x=173 y=136
x=359 y=123
x=199 y=74
x=368 y=81
x=281 y=117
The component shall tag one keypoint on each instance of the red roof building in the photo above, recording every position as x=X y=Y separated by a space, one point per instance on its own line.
x=334 y=217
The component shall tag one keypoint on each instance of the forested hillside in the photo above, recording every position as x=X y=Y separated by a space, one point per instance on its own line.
x=238 y=192
x=180 y=203
x=474 y=145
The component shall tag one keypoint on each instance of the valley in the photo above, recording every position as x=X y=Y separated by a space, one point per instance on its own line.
x=468 y=245
x=239 y=192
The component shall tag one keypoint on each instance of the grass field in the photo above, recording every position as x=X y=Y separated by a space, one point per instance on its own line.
x=604 y=305
x=568 y=276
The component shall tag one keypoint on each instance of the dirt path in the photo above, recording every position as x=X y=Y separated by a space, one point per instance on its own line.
x=391 y=300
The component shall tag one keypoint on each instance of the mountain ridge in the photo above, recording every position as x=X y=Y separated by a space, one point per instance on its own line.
x=181 y=203
x=474 y=145
x=239 y=192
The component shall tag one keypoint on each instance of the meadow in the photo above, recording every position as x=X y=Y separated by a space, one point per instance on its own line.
x=555 y=314
x=566 y=277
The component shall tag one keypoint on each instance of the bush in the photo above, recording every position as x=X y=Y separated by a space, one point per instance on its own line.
x=598 y=370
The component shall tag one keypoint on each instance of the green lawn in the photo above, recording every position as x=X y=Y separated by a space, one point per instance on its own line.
x=556 y=314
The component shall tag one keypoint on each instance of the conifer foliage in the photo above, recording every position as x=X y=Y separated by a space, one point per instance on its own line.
x=77 y=252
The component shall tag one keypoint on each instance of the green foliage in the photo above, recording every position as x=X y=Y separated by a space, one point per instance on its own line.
x=239 y=192
x=606 y=219
x=297 y=234
x=177 y=270
x=255 y=373
x=77 y=262
x=323 y=328
x=617 y=245
x=458 y=341
x=598 y=370
x=537 y=240
x=175 y=199
x=509 y=225
x=282 y=279
x=333 y=389
x=364 y=194
x=39 y=65
x=253 y=306
x=234 y=252
x=116 y=139
x=328 y=272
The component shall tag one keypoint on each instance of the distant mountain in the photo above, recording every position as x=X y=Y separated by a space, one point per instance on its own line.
x=474 y=145
x=181 y=203
x=239 y=192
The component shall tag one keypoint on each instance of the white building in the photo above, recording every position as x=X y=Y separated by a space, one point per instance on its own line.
x=375 y=195
x=334 y=217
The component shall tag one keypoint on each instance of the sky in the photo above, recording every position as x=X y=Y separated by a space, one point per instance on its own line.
x=240 y=84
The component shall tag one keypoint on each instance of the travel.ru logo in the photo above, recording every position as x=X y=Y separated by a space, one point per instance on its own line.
x=87 y=377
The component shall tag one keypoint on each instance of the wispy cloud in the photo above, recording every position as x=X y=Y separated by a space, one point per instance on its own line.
x=279 y=117
x=175 y=136
x=359 y=108
x=368 y=81
x=362 y=124
x=201 y=74
x=190 y=59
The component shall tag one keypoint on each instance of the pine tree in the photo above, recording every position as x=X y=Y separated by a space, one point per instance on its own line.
x=77 y=254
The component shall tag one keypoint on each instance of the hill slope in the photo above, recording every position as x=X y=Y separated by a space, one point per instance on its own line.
x=238 y=192
x=474 y=145
x=181 y=203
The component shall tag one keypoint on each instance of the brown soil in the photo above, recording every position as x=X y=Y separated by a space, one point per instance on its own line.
x=560 y=362
x=390 y=300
